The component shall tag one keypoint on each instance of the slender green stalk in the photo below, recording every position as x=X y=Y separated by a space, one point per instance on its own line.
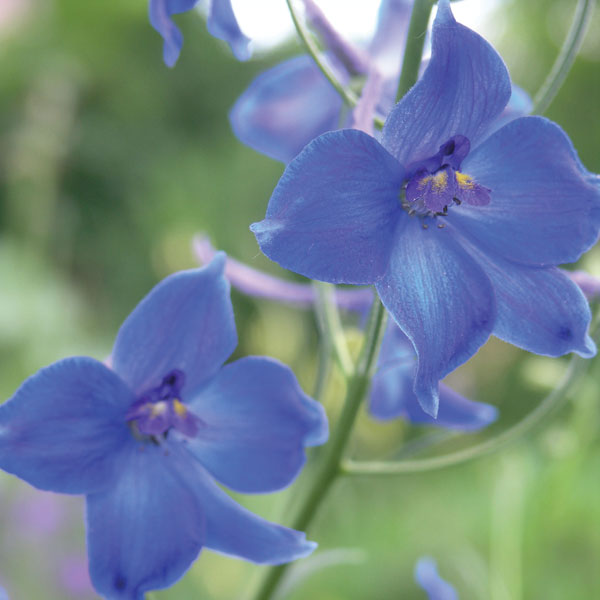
x=331 y=326
x=566 y=57
x=554 y=400
x=419 y=20
x=347 y=95
x=357 y=388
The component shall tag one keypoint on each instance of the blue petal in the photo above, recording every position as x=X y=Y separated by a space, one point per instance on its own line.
x=145 y=532
x=233 y=530
x=456 y=412
x=539 y=309
x=223 y=25
x=257 y=422
x=545 y=207
x=284 y=108
x=392 y=395
x=64 y=428
x=519 y=105
x=441 y=299
x=160 y=12
x=426 y=575
x=464 y=88
x=334 y=211
x=186 y=323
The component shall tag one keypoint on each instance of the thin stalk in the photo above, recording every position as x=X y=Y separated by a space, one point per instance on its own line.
x=329 y=469
x=331 y=326
x=554 y=400
x=347 y=95
x=417 y=30
x=566 y=57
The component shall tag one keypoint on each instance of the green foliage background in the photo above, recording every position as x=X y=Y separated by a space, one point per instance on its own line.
x=110 y=163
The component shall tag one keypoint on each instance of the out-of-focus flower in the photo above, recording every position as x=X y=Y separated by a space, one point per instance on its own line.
x=287 y=106
x=144 y=439
x=459 y=232
x=221 y=23
x=588 y=284
x=426 y=575
x=392 y=395
x=391 y=392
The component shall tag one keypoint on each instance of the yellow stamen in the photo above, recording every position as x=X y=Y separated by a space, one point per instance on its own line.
x=180 y=409
x=464 y=181
x=439 y=182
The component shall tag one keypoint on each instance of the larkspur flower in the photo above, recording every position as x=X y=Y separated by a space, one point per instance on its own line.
x=427 y=576
x=287 y=106
x=391 y=393
x=221 y=24
x=459 y=231
x=144 y=439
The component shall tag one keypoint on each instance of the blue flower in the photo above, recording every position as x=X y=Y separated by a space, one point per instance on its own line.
x=392 y=395
x=221 y=23
x=426 y=575
x=391 y=391
x=458 y=230
x=144 y=438
x=292 y=103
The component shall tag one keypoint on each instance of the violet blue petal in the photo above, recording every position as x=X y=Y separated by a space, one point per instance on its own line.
x=284 y=108
x=334 y=211
x=387 y=46
x=464 y=88
x=64 y=428
x=355 y=60
x=256 y=423
x=539 y=309
x=222 y=24
x=145 y=531
x=392 y=395
x=235 y=531
x=545 y=206
x=520 y=104
x=426 y=575
x=160 y=13
x=588 y=284
x=441 y=299
x=185 y=323
x=253 y=282
x=364 y=111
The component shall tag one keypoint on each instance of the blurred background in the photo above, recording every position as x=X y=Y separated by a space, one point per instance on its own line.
x=110 y=163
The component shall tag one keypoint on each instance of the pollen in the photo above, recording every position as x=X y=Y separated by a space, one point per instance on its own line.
x=464 y=181
x=179 y=408
x=439 y=182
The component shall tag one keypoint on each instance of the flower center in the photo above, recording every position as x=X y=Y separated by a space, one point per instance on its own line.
x=436 y=183
x=161 y=408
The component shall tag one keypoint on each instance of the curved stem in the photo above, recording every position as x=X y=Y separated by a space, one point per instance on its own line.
x=348 y=96
x=555 y=399
x=417 y=30
x=357 y=388
x=566 y=57
x=331 y=326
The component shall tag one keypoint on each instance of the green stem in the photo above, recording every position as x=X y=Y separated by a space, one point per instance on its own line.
x=331 y=326
x=555 y=399
x=357 y=388
x=417 y=30
x=347 y=96
x=566 y=57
